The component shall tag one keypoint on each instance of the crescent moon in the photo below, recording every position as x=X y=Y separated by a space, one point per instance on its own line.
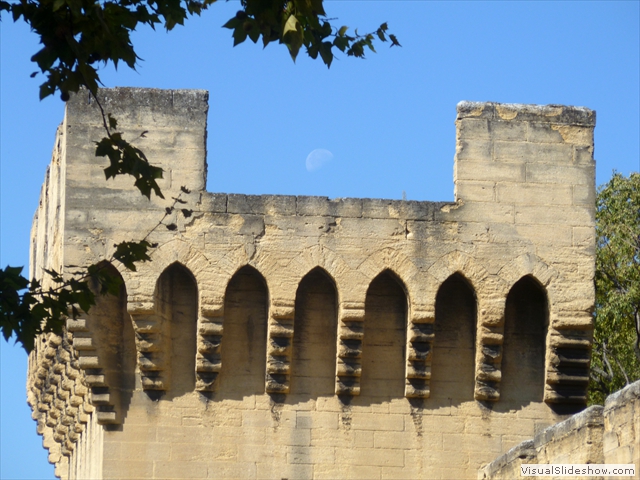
x=318 y=158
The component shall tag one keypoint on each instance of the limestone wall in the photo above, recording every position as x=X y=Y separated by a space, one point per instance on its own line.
x=600 y=435
x=301 y=337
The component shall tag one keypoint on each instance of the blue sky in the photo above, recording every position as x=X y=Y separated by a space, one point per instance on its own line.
x=388 y=120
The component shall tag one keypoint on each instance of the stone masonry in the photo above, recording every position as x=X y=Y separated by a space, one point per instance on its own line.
x=597 y=435
x=302 y=337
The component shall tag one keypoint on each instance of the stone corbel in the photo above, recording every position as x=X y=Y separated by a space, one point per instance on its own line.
x=419 y=352
x=208 y=357
x=279 y=346
x=152 y=361
x=85 y=347
x=567 y=371
x=490 y=339
x=350 y=337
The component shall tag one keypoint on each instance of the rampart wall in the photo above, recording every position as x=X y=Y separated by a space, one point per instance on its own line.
x=301 y=337
x=597 y=435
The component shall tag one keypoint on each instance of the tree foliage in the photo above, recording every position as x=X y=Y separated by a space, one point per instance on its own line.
x=80 y=36
x=616 y=350
x=29 y=308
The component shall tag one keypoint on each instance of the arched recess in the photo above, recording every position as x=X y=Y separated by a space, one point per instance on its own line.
x=341 y=273
x=207 y=276
x=384 y=342
x=489 y=289
x=394 y=260
x=453 y=361
x=176 y=301
x=244 y=343
x=105 y=343
x=314 y=339
x=524 y=347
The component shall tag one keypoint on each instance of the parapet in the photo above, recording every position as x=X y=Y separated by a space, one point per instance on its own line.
x=596 y=435
x=307 y=337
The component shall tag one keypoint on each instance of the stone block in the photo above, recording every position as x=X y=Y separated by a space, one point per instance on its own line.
x=534 y=194
x=508 y=131
x=552 y=214
x=232 y=470
x=474 y=150
x=583 y=156
x=469 y=191
x=268 y=471
x=145 y=450
x=563 y=174
x=558 y=235
x=479 y=171
x=455 y=442
x=178 y=469
x=394 y=440
x=313 y=456
x=364 y=421
x=214 y=202
x=584 y=195
x=471 y=128
x=128 y=469
x=367 y=457
x=402 y=209
x=484 y=213
x=348 y=472
x=537 y=153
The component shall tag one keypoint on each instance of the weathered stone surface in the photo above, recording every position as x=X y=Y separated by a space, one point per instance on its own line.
x=600 y=435
x=384 y=322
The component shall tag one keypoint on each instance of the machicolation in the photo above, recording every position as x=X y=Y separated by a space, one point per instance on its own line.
x=301 y=337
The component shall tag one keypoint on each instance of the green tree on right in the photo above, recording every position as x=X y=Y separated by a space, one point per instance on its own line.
x=616 y=343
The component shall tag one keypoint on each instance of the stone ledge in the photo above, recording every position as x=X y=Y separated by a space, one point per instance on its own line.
x=288 y=205
x=590 y=417
x=622 y=397
x=529 y=449
x=515 y=112
x=126 y=102
x=525 y=450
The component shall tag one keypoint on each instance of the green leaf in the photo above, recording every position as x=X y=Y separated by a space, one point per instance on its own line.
x=239 y=35
x=326 y=53
x=292 y=36
x=291 y=25
x=232 y=23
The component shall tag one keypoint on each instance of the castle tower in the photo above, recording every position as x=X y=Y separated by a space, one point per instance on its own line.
x=301 y=337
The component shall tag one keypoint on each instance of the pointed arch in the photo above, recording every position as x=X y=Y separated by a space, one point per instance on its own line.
x=385 y=333
x=524 y=347
x=453 y=362
x=206 y=274
x=244 y=343
x=529 y=264
x=176 y=305
x=315 y=328
x=490 y=317
x=475 y=273
x=319 y=256
x=395 y=261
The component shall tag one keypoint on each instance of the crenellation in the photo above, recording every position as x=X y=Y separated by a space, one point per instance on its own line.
x=306 y=337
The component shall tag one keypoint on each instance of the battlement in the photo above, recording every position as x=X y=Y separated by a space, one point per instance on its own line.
x=302 y=337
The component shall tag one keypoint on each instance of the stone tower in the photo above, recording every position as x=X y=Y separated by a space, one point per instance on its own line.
x=301 y=337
